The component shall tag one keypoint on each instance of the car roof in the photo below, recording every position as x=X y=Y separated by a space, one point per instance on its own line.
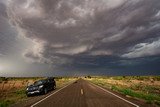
x=50 y=78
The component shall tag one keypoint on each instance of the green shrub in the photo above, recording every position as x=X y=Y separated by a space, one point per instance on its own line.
x=3 y=79
x=157 y=102
x=20 y=92
x=118 y=78
x=148 y=97
x=156 y=78
x=114 y=88
x=6 y=103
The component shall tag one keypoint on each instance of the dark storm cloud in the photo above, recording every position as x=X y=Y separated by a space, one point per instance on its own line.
x=87 y=34
x=7 y=34
x=107 y=65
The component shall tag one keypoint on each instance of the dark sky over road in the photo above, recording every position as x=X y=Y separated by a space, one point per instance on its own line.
x=79 y=37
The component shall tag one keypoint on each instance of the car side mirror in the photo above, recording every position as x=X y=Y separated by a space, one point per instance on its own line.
x=28 y=84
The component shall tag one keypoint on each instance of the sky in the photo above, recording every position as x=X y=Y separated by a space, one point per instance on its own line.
x=79 y=37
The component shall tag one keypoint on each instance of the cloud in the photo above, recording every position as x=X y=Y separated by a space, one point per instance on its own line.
x=64 y=31
x=7 y=34
x=144 y=49
x=75 y=50
x=101 y=52
x=35 y=54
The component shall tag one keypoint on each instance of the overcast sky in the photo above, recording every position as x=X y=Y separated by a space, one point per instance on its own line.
x=79 y=37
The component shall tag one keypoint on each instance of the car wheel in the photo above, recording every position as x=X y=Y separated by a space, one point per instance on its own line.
x=54 y=87
x=45 y=91
x=28 y=95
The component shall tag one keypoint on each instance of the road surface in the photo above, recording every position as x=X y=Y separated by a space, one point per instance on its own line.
x=83 y=94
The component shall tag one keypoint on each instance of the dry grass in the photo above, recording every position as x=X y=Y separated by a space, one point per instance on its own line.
x=13 y=89
x=143 y=87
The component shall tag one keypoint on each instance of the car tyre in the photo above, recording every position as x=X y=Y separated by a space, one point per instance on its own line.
x=54 y=87
x=28 y=95
x=45 y=91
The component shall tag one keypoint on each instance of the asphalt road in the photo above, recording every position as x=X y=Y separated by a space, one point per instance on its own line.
x=83 y=94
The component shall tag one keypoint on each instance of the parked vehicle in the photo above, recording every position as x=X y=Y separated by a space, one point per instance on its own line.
x=41 y=87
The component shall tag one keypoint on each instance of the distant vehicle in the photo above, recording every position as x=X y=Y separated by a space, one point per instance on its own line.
x=41 y=87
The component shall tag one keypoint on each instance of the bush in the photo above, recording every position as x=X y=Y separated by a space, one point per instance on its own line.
x=118 y=78
x=6 y=103
x=157 y=78
x=3 y=79
x=157 y=102
x=20 y=92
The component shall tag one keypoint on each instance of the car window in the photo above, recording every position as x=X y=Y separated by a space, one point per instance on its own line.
x=49 y=80
x=39 y=82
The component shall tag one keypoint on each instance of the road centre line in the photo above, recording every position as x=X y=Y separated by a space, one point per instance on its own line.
x=82 y=91
x=50 y=95
x=115 y=95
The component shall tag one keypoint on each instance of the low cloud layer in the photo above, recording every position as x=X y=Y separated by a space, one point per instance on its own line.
x=66 y=31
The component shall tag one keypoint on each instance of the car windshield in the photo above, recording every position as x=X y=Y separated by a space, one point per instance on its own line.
x=39 y=82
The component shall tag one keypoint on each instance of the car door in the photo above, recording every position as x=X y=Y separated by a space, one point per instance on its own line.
x=49 y=84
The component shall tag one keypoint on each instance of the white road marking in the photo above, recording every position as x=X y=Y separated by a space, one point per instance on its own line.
x=50 y=95
x=82 y=91
x=116 y=95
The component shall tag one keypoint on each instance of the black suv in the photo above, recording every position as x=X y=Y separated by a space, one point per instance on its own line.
x=41 y=86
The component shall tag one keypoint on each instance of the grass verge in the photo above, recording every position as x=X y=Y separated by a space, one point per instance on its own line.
x=151 y=98
x=10 y=97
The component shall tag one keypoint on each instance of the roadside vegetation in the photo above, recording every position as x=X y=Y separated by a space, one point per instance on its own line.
x=146 y=88
x=12 y=90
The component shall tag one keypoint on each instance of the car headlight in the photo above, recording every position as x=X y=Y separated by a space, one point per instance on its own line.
x=27 y=89
x=41 y=86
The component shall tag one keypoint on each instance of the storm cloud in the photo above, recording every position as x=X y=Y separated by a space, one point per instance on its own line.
x=88 y=35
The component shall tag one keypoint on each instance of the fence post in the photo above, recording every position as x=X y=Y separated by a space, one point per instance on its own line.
x=9 y=85
x=2 y=85
x=13 y=84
